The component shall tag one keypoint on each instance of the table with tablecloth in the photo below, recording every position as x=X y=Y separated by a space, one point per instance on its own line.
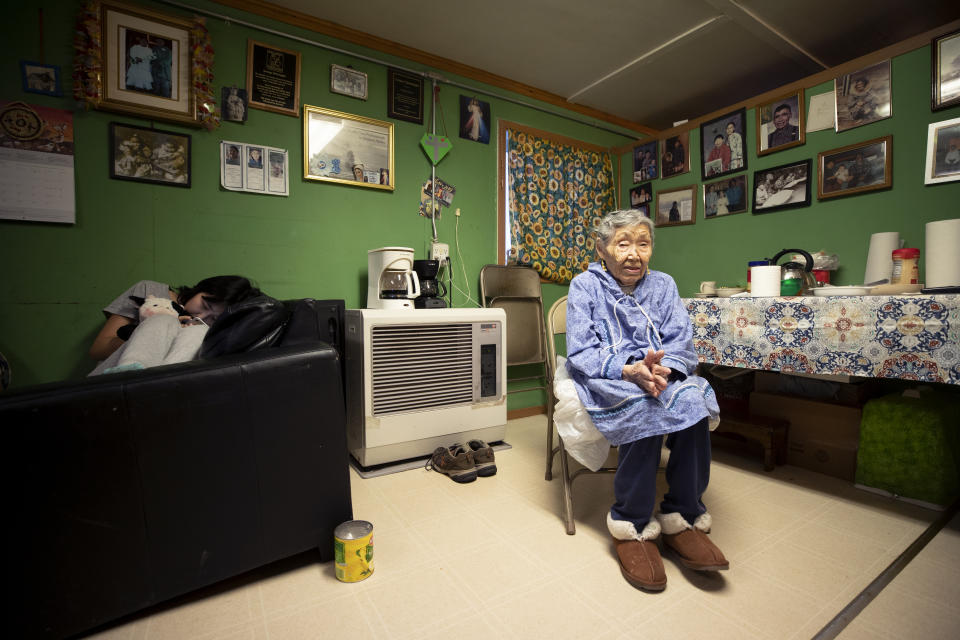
x=914 y=337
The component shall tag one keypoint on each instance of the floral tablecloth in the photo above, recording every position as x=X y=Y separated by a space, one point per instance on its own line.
x=907 y=337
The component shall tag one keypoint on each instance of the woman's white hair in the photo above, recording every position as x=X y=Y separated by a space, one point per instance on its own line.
x=614 y=220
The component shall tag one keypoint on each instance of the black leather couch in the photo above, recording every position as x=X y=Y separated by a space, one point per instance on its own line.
x=128 y=489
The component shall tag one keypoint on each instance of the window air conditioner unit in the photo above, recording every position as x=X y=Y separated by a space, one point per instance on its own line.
x=418 y=379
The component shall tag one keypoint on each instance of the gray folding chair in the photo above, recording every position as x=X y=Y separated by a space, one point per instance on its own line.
x=557 y=326
x=516 y=290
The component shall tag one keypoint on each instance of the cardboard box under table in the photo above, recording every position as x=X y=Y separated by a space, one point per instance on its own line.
x=822 y=436
x=910 y=447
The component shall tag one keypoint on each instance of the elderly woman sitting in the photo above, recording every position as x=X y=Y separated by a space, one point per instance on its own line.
x=630 y=355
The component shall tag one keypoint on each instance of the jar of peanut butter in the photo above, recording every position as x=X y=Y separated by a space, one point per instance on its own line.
x=905 y=269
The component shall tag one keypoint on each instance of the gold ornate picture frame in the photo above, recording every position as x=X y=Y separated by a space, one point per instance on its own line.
x=347 y=149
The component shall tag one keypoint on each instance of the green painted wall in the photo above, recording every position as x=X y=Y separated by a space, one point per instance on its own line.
x=56 y=278
x=719 y=248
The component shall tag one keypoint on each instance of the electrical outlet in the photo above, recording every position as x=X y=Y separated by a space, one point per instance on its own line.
x=439 y=251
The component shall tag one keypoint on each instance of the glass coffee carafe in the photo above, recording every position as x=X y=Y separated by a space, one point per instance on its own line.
x=395 y=283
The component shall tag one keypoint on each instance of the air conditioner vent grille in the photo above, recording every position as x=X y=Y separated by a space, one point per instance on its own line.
x=421 y=366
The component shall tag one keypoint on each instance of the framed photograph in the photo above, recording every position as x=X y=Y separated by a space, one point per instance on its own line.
x=780 y=123
x=339 y=147
x=675 y=155
x=147 y=64
x=943 y=152
x=676 y=206
x=945 y=71
x=864 y=166
x=149 y=155
x=783 y=187
x=234 y=103
x=474 y=119
x=724 y=197
x=40 y=78
x=404 y=96
x=863 y=96
x=273 y=78
x=645 y=162
x=723 y=141
x=348 y=81
x=641 y=195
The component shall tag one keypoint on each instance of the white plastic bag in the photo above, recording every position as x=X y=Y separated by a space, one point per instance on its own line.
x=580 y=437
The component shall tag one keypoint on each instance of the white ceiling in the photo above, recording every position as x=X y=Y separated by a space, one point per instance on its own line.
x=652 y=62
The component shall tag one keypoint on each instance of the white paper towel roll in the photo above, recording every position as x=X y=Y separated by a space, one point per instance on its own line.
x=942 y=251
x=880 y=256
x=765 y=281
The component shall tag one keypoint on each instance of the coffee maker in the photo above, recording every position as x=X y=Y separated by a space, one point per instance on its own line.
x=391 y=281
x=432 y=290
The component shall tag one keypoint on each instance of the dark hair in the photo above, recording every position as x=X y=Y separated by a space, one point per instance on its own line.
x=226 y=289
x=783 y=106
x=719 y=136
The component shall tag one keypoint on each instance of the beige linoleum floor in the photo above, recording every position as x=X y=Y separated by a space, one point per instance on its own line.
x=491 y=559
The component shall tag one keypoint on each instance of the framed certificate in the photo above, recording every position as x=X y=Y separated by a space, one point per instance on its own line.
x=273 y=78
x=404 y=96
x=348 y=149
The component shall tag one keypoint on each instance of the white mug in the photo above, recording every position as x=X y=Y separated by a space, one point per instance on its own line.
x=765 y=281
x=708 y=286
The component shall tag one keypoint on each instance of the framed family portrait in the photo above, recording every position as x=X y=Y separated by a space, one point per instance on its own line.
x=724 y=197
x=676 y=206
x=723 y=142
x=780 y=123
x=943 y=152
x=147 y=64
x=273 y=78
x=40 y=78
x=347 y=149
x=784 y=187
x=945 y=71
x=863 y=96
x=149 y=155
x=864 y=166
x=645 y=162
x=675 y=155
x=348 y=82
x=641 y=195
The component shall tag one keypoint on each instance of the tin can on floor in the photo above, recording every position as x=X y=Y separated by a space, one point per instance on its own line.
x=353 y=550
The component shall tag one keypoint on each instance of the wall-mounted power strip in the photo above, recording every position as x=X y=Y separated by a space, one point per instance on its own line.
x=439 y=251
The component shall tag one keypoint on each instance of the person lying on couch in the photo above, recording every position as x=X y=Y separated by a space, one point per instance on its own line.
x=630 y=354
x=160 y=336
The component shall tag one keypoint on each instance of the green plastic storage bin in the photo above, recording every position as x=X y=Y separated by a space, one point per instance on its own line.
x=910 y=446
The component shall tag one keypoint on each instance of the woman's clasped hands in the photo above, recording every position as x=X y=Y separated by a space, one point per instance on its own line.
x=648 y=374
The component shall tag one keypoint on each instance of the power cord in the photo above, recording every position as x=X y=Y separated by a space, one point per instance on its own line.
x=466 y=282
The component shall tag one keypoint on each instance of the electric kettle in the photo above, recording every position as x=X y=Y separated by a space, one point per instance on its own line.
x=795 y=279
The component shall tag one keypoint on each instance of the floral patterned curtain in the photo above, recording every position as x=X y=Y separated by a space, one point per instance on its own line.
x=557 y=193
